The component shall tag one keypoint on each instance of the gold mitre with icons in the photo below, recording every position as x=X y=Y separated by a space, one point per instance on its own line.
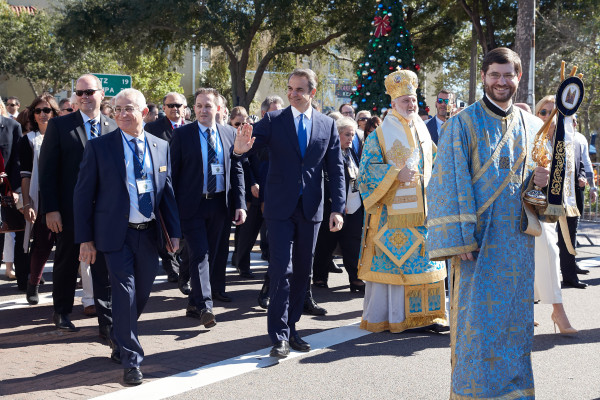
x=401 y=83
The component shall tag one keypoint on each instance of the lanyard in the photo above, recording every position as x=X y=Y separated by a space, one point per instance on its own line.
x=135 y=157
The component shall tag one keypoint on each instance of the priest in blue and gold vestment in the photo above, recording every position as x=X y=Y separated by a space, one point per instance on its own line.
x=404 y=289
x=476 y=218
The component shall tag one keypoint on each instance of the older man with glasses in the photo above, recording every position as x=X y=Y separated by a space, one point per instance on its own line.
x=174 y=105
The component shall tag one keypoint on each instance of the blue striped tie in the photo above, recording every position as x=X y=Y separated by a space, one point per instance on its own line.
x=93 y=128
x=144 y=199
x=211 y=182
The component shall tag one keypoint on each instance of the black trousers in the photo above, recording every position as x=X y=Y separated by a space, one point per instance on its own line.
x=64 y=278
x=169 y=260
x=349 y=240
x=247 y=234
x=218 y=261
x=568 y=264
x=21 y=263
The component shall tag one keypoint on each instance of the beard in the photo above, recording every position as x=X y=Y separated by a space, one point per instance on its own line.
x=489 y=92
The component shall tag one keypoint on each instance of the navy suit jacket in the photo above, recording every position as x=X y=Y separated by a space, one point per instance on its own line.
x=161 y=128
x=102 y=195
x=289 y=172
x=433 y=130
x=10 y=133
x=188 y=173
x=60 y=156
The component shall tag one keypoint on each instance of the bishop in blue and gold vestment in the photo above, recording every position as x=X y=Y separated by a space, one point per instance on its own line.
x=475 y=218
x=404 y=289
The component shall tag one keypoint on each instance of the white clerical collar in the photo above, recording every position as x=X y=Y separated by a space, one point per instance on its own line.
x=499 y=108
x=86 y=118
x=307 y=113
x=203 y=128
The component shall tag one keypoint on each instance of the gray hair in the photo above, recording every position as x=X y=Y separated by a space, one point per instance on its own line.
x=177 y=96
x=137 y=96
x=266 y=104
x=362 y=114
x=346 y=122
x=336 y=115
x=73 y=98
x=307 y=73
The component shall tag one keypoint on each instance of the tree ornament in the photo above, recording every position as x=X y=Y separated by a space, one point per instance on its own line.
x=382 y=25
x=393 y=58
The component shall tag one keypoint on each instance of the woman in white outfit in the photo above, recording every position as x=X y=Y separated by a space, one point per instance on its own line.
x=547 y=261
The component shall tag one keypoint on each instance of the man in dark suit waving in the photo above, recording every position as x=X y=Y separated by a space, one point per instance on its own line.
x=208 y=185
x=123 y=190
x=60 y=155
x=301 y=142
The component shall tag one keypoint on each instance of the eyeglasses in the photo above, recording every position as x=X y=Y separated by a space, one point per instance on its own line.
x=507 y=77
x=67 y=109
x=545 y=112
x=348 y=113
x=171 y=105
x=11 y=105
x=127 y=109
x=89 y=92
x=440 y=100
x=45 y=110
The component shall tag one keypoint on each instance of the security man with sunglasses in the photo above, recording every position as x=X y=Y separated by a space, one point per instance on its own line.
x=434 y=125
x=174 y=105
x=60 y=156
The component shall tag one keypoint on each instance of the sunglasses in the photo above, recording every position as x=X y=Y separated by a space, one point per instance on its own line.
x=45 y=110
x=363 y=119
x=440 y=100
x=173 y=105
x=67 y=109
x=11 y=105
x=89 y=92
x=545 y=112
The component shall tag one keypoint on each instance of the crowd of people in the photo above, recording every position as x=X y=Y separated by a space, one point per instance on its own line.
x=423 y=211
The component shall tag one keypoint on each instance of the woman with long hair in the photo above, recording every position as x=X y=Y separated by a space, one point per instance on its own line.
x=547 y=260
x=41 y=110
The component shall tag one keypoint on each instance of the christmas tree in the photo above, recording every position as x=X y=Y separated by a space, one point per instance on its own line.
x=389 y=48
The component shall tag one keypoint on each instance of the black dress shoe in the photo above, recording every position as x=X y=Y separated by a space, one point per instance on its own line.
x=298 y=344
x=62 y=322
x=172 y=277
x=263 y=296
x=576 y=284
x=581 y=271
x=311 y=307
x=247 y=275
x=333 y=267
x=115 y=355
x=357 y=288
x=281 y=349
x=206 y=316
x=133 y=376
x=184 y=287
x=221 y=296
x=321 y=284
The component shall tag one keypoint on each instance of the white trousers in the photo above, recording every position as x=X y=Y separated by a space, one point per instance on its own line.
x=86 y=282
x=547 y=266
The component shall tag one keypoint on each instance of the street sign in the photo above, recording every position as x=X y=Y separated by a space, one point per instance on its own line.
x=113 y=84
x=343 y=90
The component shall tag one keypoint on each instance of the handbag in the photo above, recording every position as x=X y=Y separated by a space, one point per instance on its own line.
x=12 y=220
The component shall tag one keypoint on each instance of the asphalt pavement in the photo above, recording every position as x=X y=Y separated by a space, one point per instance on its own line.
x=230 y=361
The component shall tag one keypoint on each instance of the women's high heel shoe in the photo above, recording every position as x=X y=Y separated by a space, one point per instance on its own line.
x=563 y=331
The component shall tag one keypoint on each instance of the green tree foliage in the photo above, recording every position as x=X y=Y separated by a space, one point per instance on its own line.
x=281 y=27
x=389 y=48
x=153 y=75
